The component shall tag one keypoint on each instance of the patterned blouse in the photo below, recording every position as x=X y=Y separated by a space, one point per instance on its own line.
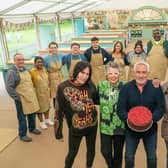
x=110 y=123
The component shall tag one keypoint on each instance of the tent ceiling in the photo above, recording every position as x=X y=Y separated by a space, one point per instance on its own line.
x=29 y=8
x=131 y=4
x=37 y=7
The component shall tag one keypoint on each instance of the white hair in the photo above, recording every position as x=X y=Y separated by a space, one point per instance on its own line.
x=142 y=63
x=111 y=64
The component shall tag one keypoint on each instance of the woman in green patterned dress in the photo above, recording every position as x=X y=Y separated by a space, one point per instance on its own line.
x=112 y=129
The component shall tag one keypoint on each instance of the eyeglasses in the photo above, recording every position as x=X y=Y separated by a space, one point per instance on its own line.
x=53 y=48
x=113 y=74
x=19 y=59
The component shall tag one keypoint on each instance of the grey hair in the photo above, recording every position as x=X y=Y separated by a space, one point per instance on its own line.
x=142 y=63
x=111 y=64
x=16 y=55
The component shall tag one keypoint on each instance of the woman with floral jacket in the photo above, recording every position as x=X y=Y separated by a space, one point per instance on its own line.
x=112 y=129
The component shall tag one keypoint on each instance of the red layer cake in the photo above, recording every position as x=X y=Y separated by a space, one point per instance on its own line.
x=139 y=118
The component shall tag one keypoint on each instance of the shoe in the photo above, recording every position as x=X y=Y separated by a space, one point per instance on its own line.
x=49 y=122
x=36 y=131
x=43 y=125
x=25 y=138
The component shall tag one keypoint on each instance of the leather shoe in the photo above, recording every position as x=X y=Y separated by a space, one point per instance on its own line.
x=25 y=138
x=36 y=131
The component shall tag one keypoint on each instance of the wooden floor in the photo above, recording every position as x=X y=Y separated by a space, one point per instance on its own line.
x=45 y=151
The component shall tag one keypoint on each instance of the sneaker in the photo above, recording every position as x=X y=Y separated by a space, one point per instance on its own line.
x=49 y=122
x=25 y=138
x=36 y=131
x=43 y=125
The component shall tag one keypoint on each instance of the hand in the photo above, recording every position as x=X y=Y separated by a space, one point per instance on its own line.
x=61 y=140
x=156 y=82
x=162 y=83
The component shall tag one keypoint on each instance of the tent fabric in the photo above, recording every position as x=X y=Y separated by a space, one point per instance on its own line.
x=20 y=11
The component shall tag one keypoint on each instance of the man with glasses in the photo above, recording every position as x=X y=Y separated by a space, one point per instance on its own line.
x=72 y=58
x=53 y=64
x=20 y=87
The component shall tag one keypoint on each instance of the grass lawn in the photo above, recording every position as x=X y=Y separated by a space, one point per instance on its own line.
x=19 y=38
x=24 y=41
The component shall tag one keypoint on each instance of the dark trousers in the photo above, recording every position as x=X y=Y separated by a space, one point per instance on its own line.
x=74 y=143
x=22 y=121
x=150 y=144
x=54 y=101
x=112 y=149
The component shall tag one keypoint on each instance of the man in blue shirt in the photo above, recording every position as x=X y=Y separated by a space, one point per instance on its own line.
x=72 y=58
x=53 y=64
x=141 y=92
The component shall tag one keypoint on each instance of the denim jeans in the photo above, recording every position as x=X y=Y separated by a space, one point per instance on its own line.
x=22 y=121
x=150 y=144
x=166 y=142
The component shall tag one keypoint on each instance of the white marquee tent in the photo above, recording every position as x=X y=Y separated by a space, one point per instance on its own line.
x=21 y=11
x=15 y=8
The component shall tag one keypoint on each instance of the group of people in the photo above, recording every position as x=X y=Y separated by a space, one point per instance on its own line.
x=95 y=78
x=30 y=91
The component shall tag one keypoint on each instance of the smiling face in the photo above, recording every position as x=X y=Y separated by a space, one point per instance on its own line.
x=75 y=50
x=82 y=76
x=138 y=49
x=53 y=49
x=19 y=60
x=157 y=35
x=141 y=74
x=113 y=75
x=95 y=44
x=39 y=63
x=118 y=47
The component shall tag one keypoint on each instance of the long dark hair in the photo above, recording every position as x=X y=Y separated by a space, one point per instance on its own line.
x=79 y=67
x=139 y=43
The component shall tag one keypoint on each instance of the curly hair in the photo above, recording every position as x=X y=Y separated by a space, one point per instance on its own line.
x=52 y=43
x=37 y=58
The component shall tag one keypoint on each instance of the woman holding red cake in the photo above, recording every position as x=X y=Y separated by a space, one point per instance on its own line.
x=112 y=129
x=141 y=92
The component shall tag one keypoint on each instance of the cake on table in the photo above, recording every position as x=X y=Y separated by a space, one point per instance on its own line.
x=139 y=119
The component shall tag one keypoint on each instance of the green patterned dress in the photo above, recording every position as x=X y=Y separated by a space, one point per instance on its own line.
x=110 y=123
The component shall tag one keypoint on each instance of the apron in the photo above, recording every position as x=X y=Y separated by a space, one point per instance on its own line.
x=98 y=70
x=43 y=91
x=27 y=93
x=55 y=77
x=134 y=59
x=73 y=63
x=121 y=64
x=158 y=62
